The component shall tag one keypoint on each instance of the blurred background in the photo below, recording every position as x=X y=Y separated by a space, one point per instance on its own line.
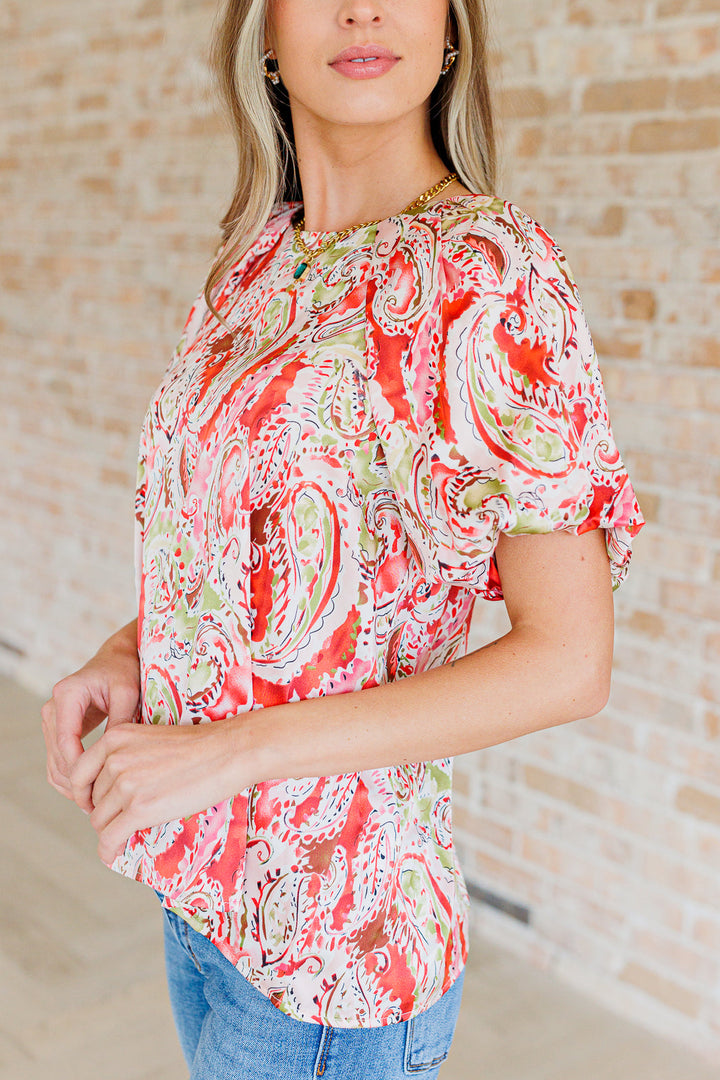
x=592 y=850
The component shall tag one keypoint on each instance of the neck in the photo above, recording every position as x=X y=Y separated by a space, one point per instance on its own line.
x=364 y=173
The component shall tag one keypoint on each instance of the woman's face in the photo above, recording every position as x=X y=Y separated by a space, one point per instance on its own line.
x=307 y=35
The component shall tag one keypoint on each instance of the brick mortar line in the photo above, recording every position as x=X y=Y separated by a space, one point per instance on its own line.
x=569 y=848
x=549 y=877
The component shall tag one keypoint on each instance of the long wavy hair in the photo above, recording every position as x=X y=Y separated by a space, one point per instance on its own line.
x=461 y=120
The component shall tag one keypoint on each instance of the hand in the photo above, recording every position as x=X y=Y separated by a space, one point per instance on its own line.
x=138 y=775
x=107 y=686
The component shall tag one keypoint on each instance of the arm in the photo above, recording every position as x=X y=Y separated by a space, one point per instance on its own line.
x=553 y=666
x=107 y=686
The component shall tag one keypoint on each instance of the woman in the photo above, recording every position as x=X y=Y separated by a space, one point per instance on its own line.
x=385 y=404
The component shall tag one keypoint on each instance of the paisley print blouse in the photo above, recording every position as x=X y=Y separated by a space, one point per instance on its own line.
x=318 y=503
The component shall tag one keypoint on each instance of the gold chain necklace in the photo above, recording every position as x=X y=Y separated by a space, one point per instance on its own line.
x=303 y=267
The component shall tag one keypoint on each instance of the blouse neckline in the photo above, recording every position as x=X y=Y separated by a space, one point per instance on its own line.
x=315 y=234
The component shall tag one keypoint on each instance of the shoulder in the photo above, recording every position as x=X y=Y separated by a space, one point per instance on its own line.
x=507 y=289
x=472 y=261
x=486 y=233
x=468 y=246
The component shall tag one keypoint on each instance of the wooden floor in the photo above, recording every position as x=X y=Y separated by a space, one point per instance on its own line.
x=82 y=990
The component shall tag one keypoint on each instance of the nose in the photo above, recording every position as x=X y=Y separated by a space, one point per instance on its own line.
x=360 y=13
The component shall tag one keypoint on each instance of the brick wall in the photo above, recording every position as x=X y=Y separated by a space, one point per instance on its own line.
x=116 y=167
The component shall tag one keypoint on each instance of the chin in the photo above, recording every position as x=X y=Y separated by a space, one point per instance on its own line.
x=363 y=105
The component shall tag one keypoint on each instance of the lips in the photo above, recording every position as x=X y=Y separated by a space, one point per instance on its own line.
x=364 y=53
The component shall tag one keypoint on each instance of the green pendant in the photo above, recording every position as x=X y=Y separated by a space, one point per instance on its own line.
x=301 y=271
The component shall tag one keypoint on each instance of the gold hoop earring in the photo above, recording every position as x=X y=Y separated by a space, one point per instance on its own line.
x=449 y=57
x=273 y=76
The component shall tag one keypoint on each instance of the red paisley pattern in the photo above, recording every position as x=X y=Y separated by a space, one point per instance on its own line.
x=318 y=503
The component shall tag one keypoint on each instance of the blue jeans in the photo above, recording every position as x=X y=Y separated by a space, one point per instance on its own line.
x=230 y=1031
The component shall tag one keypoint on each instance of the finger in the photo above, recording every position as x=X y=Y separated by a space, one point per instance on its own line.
x=84 y=773
x=47 y=712
x=55 y=765
x=48 y=729
x=71 y=703
x=115 y=773
x=115 y=836
x=60 y=785
x=56 y=777
x=107 y=808
x=123 y=705
x=108 y=778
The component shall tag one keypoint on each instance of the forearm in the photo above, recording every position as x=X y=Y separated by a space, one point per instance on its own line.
x=552 y=667
x=123 y=640
x=521 y=683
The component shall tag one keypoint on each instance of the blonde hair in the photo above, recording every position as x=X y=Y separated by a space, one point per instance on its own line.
x=461 y=119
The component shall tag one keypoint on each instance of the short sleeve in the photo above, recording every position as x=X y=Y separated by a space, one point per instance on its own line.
x=486 y=395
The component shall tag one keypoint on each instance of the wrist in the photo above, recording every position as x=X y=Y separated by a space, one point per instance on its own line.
x=251 y=750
